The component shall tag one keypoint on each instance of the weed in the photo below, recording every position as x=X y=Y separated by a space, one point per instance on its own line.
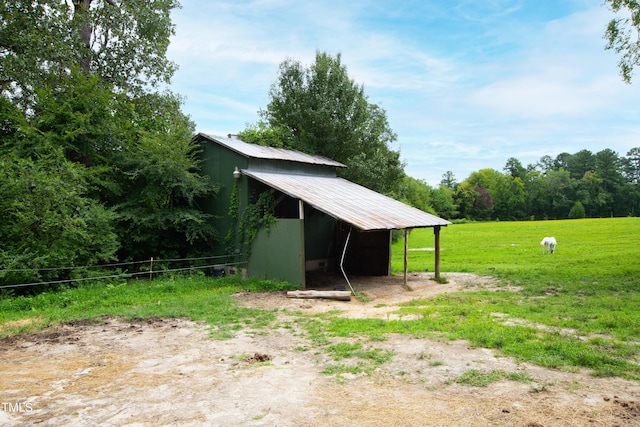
x=362 y=297
x=342 y=369
x=540 y=388
x=424 y=355
x=476 y=378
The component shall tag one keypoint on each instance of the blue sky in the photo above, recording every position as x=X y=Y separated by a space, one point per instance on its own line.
x=466 y=84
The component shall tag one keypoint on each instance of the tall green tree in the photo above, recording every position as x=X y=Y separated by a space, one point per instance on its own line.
x=417 y=193
x=326 y=113
x=83 y=78
x=514 y=168
x=442 y=201
x=122 y=42
x=580 y=163
x=507 y=196
x=47 y=219
x=161 y=191
x=449 y=180
x=630 y=196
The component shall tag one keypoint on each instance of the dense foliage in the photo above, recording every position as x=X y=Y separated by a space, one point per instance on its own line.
x=320 y=110
x=577 y=185
x=97 y=159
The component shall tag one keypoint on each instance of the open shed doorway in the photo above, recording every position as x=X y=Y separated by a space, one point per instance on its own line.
x=368 y=253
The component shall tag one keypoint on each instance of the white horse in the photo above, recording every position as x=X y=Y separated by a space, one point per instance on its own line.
x=548 y=244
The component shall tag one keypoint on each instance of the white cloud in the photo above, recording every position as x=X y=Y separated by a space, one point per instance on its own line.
x=465 y=86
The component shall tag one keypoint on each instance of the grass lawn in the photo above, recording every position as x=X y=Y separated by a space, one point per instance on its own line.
x=577 y=308
x=195 y=297
x=579 y=305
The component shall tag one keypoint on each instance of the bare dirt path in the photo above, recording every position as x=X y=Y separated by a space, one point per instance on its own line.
x=155 y=372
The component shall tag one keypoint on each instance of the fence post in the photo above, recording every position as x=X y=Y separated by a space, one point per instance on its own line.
x=151 y=270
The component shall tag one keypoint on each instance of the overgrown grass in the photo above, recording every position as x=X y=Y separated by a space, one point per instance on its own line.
x=198 y=298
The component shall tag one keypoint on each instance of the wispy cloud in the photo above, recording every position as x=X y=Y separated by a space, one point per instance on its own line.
x=465 y=84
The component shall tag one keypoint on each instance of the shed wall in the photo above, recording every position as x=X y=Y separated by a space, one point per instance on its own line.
x=278 y=253
x=219 y=164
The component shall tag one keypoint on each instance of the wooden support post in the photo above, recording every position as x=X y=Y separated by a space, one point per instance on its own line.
x=436 y=231
x=406 y=250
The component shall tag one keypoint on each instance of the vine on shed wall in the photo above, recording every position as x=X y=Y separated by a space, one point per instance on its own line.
x=255 y=217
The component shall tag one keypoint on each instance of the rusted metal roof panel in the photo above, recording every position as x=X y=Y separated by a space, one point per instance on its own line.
x=349 y=202
x=273 y=153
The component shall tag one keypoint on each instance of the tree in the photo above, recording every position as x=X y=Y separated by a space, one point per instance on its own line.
x=509 y=198
x=562 y=161
x=417 y=193
x=506 y=198
x=630 y=195
x=577 y=211
x=623 y=35
x=514 y=168
x=631 y=167
x=327 y=113
x=442 y=201
x=545 y=164
x=560 y=191
x=474 y=201
x=48 y=219
x=82 y=78
x=580 y=163
x=591 y=194
x=160 y=212
x=262 y=134
x=608 y=166
x=537 y=201
x=122 y=42
x=449 y=180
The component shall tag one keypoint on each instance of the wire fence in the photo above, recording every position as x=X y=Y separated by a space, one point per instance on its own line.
x=216 y=267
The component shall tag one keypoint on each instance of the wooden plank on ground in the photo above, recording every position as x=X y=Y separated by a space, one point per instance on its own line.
x=337 y=295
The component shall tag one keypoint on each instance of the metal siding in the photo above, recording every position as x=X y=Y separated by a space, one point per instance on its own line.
x=349 y=202
x=219 y=163
x=278 y=253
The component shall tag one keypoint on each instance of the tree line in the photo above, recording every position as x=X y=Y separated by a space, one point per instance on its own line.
x=578 y=185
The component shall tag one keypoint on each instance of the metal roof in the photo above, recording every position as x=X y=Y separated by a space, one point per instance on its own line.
x=349 y=202
x=262 y=152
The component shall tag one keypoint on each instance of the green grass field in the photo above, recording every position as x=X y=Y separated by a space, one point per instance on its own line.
x=577 y=308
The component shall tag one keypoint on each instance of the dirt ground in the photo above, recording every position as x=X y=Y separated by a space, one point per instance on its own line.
x=153 y=372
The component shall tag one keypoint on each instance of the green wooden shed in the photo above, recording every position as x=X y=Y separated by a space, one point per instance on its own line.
x=322 y=222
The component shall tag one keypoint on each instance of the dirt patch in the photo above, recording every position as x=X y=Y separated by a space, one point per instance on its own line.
x=149 y=372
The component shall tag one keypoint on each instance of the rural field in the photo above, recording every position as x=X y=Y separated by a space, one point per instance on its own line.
x=511 y=337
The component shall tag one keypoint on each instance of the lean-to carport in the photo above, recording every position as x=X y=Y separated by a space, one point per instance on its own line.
x=353 y=204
